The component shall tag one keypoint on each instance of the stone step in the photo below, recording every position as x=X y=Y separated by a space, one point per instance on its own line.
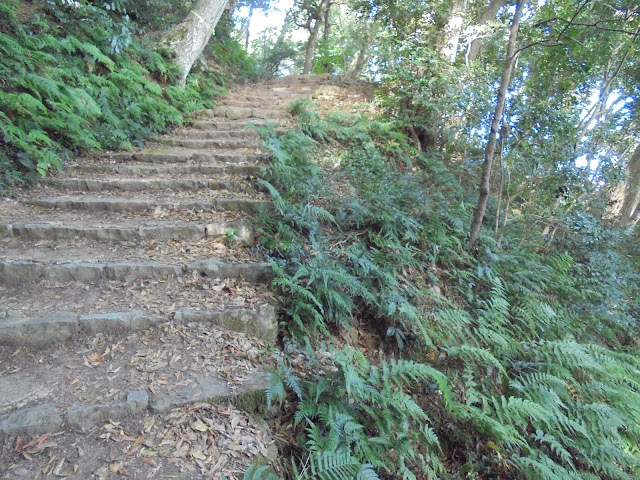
x=114 y=378
x=309 y=78
x=210 y=123
x=308 y=92
x=127 y=231
x=208 y=143
x=132 y=205
x=20 y=212
x=168 y=170
x=263 y=97
x=181 y=155
x=21 y=272
x=60 y=327
x=235 y=113
x=261 y=102
x=138 y=405
x=286 y=90
x=215 y=134
x=159 y=296
x=220 y=245
x=124 y=184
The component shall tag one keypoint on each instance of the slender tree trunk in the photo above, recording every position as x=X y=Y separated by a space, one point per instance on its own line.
x=490 y=150
x=549 y=224
x=188 y=38
x=500 y=189
x=326 y=33
x=363 y=56
x=486 y=16
x=327 y=22
x=599 y=108
x=313 y=37
x=632 y=192
x=247 y=33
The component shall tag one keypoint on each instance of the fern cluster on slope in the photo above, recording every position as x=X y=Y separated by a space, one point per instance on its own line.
x=77 y=79
x=503 y=377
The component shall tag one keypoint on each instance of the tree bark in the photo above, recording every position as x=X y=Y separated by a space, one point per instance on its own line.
x=188 y=38
x=632 y=192
x=478 y=214
x=635 y=218
x=485 y=17
x=452 y=30
x=327 y=22
x=363 y=56
x=313 y=36
x=247 y=33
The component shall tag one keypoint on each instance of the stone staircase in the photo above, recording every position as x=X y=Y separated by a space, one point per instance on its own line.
x=128 y=289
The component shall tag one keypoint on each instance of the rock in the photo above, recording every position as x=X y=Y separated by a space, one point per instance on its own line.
x=84 y=417
x=46 y=330
x=19 y=390
x=118 y=322
x=19 y=271
x=39 y=419
x=235 y=113
x=206 y=389
x=214 y=268
x=79 y=272
x=261 y=324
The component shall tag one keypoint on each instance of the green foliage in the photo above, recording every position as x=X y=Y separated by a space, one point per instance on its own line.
x=226 y=58
x=66 y=90
x=362 y=411
x=521 y=372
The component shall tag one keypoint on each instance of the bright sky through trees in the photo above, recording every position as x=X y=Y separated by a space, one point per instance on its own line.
x=262 y=20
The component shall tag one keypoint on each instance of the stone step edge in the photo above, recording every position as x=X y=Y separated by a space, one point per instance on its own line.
x=133 y=205
x=225 y=143
x=187 y=133
x=20 y=272
x=176 y=169
x=242 y=233
x=57 y=328
x=179 y=157
x=237 y=113
x=50 y=418
x=129 y=184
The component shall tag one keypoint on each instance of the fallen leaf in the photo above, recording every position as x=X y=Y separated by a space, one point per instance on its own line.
x=18 y=444
x=199 y=455
x=199 y=426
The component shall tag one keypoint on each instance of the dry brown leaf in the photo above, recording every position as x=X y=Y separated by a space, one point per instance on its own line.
x=17 y=446
x=199 y=455
x=148 y=424
x=199 y=426
x=95 y=357
x=134 y=447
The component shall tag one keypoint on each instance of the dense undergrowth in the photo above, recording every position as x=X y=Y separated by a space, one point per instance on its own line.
x=438 y=362
x=82 y=78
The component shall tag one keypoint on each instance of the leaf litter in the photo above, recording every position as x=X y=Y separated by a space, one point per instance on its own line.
x=200 y=440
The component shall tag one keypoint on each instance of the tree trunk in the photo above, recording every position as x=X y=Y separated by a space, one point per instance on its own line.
x=313 y=37
x=478 y=214
x=550 y=223
x=363 y=56
x=635 y=219
x=452 y=30
x=632 y=192
x=327 y=22
x=247 y=33
x=189 y=37
x=486 y=16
